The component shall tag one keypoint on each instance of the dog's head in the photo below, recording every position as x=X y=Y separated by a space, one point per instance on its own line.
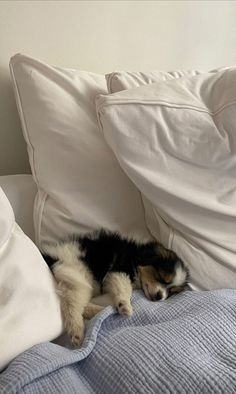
x=161 y=272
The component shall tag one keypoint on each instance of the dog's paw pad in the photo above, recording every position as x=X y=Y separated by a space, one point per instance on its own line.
x=125 y=308
x=77 y=339
x=77 y=335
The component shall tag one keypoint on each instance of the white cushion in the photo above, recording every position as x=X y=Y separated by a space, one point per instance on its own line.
x=80 y=184
x=29 y=306
x=177 y=142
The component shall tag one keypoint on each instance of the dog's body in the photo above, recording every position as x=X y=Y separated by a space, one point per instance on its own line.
x=107 y=262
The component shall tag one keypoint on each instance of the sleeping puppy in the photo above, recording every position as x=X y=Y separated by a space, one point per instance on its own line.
x=105 y=262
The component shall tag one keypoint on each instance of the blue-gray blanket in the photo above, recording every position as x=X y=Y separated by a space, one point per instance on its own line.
x=186 y=344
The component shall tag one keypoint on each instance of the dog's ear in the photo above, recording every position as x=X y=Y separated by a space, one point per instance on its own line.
x=165 y=253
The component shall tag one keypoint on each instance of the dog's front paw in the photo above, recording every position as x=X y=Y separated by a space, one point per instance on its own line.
x=77 y=334
x=77 y=339
x=124 y=308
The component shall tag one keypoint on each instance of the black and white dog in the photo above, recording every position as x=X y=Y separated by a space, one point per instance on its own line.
x=106 y=262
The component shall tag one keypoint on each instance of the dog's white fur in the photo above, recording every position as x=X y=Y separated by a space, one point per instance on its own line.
x=119 y=285
x=180 y=277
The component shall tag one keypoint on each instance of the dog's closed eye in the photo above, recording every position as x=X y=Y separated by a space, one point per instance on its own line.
x=175 y=290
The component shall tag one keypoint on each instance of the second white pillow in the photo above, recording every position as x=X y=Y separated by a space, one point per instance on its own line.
x=176 y=140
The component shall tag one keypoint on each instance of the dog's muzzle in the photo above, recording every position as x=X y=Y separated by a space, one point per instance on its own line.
x=155 y=292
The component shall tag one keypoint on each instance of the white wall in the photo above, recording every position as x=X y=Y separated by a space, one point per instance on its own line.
x=102 y=36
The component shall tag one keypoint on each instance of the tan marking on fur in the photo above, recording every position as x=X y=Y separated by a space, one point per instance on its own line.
x=167 y=278
x=147 y=273
x=119 y=286
x=150 y=284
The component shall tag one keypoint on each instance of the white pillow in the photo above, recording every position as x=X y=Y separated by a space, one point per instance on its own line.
x=29 y=307
x=177 y=142
x=122 y=80
x=80 y=184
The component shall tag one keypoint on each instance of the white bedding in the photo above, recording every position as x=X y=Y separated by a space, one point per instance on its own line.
x=29 y=307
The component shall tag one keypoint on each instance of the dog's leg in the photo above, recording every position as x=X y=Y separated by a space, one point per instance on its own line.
x=75 y=288
x=119 y=286
x=91 y=310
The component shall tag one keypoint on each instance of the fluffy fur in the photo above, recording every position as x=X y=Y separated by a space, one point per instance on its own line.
x=106 y=262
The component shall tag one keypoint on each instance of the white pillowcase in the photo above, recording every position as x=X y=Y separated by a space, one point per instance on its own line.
x=177 y=142
x=29 y=307
x=80 y=184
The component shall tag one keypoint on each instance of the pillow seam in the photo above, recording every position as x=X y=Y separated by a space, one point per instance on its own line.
x=26 y=135
x=40 y=218
x=104 y=104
